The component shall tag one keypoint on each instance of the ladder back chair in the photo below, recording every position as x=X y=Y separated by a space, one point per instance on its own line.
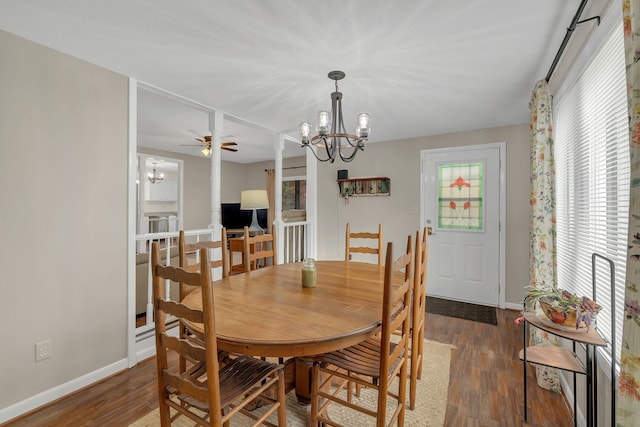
x=189 y=259
x=261 y=247
x=206 y=393
x=377 y=250
x=189 y=252
x=376 y=362
x=418 y=313
x=264 y=249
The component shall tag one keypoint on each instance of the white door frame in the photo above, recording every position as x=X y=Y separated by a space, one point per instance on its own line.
x=502 y=148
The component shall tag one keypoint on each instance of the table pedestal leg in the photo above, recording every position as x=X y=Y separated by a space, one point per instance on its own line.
x=303 y=379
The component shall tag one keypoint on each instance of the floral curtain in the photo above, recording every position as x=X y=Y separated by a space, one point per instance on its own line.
x=628 y=405
x=542 y=229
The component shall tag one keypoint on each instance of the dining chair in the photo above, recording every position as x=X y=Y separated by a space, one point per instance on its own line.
x=188 y=256
x=258 y=248
x=370 y=249
x=206 y=393
x=261 y=247
x=374 y=363
x=375 y=250
x=188 y=253
x=418 y=313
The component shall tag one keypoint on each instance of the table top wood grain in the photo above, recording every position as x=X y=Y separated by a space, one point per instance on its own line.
x=267 y=312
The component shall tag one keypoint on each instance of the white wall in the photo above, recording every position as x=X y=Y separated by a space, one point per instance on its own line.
x=63 y=217
x=399 y=213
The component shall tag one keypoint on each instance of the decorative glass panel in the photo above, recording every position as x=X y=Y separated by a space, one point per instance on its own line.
x=460 y=195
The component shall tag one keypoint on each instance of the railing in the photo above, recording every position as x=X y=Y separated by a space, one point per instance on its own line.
x=169 y=251
x=161 y=223
x=295 y=241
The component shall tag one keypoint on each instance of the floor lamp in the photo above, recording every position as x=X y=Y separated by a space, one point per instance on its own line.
x=254 y=199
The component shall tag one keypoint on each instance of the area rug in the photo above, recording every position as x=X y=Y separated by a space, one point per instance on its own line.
x=431 y=399
x=462 y=310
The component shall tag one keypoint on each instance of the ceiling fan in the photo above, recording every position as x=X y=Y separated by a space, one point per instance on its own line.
x=206 y=145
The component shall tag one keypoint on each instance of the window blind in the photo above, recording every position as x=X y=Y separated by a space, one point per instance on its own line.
x=592 y=180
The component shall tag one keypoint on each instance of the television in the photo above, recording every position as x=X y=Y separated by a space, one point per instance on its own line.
x=235 y=218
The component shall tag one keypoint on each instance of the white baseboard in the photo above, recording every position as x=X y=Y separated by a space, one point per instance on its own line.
x=57 y=392
x=513 y=306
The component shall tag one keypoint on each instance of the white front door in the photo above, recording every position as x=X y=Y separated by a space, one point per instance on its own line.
x=462 y=203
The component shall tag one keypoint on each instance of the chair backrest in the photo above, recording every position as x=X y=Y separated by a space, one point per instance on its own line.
x=419 y=287
x=190 y=260
x=377 y=237
x=202 y=359
x=264 y=248
x=396 y=309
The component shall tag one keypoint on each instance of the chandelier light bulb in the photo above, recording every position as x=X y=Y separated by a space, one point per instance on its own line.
x=363 y=125
x=323 y=122
x=305 y=131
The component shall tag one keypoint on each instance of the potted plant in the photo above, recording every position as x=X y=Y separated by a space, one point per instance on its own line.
x=562 y=308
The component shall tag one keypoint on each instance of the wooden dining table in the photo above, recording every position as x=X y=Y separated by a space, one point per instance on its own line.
x=267 y=312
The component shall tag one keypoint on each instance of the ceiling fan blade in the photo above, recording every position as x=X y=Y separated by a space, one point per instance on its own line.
x=230 y=149
x=229 y=143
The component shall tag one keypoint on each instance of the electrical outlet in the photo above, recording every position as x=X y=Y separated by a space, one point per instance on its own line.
x=43 y=350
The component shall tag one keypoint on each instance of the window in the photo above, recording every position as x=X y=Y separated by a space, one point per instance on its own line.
x=294 y=193
x=460 y=196
x=592 y=178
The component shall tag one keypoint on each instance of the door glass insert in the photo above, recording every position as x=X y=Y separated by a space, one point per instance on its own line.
x=460 y=196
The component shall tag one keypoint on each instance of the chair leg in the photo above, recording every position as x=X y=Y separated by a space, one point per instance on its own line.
x=420 y=353
x=315 y=384
x=282 y=410
x=413 y=380
x=402 y=395
x=165 y=416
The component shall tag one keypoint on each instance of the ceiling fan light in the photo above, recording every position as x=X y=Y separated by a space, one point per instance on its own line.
x=206 y=151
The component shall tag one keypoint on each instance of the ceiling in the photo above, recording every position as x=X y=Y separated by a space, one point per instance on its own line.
x=419 y=67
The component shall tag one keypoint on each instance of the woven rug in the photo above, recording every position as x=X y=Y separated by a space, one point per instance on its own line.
x=462 y=310
x=431 y=400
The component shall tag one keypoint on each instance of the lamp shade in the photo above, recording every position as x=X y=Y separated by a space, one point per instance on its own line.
x=254 y=199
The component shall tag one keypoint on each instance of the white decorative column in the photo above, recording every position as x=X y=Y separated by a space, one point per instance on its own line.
x=215 y=126
x=311 y=250
x=278 y=224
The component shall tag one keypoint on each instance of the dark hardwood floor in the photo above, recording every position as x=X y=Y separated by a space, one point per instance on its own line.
x=485 y=384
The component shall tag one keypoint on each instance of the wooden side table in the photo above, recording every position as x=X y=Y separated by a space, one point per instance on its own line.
x=564 y=359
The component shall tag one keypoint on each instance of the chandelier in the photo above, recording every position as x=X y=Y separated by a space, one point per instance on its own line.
x=332 y=139
x=153 y=177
